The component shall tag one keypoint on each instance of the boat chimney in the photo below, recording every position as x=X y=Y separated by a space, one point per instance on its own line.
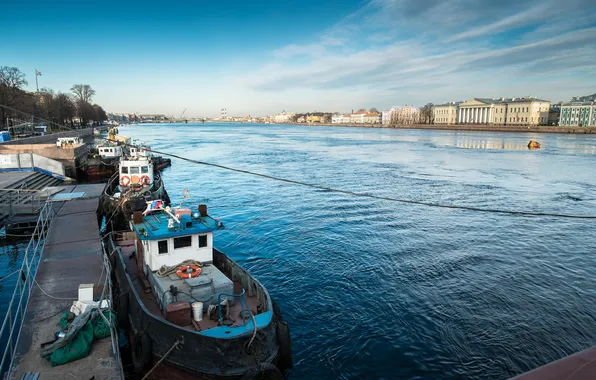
x=203 y=210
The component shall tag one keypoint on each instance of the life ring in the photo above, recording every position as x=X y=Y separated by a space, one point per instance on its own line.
x=125 y=180
x=284 y=345
x=182 y=272
x=145 y=180
x=266 y=371
x=141 y=351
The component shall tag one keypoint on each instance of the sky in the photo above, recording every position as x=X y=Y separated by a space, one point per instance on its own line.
x=262 y=57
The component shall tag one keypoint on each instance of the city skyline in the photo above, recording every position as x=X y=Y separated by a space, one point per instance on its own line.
x=262 y=58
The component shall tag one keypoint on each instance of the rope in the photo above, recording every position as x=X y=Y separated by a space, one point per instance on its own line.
x=51 y=296
x=364 y=195
x=353 y=193
x=168 y=270
x=254 y=334
x=7 y=276
x=161 y=359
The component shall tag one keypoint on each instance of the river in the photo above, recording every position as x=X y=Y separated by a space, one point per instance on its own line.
x=385 y=290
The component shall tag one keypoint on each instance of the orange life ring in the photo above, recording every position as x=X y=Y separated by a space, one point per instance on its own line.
x=183 y=272
x=145 y=180
x=124 y=180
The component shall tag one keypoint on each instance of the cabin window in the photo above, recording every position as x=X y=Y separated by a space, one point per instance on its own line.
x=162 y=246
x=202 y=241
x=182 y=242
x=134 y=170
x=144 y=169
x=125 y=170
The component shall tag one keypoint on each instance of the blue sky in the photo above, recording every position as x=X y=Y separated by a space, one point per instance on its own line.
x=260 y=57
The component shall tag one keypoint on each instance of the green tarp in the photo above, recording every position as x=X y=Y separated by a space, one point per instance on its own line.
x=80 y=344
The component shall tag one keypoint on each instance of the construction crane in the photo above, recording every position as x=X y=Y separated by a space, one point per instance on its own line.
x=182 y=114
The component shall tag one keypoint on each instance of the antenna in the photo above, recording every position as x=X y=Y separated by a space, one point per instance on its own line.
x=185 y=196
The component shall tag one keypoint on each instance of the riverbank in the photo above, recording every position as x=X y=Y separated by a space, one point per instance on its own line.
x=470 y=127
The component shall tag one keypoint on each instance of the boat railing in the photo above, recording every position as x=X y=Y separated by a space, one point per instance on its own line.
x=25 y=280
x=243 y=302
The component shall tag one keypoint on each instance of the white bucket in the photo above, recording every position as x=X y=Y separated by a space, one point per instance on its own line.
x=197 y=311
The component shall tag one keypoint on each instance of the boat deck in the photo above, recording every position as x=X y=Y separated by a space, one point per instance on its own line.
x=128 y=247
x=72 y=255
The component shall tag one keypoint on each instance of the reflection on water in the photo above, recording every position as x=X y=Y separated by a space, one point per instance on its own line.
x=487 y=144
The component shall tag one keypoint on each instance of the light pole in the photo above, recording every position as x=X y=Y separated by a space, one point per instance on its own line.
x=37 y=74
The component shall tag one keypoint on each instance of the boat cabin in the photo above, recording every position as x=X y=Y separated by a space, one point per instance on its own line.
x=110 y=151
x=136 y=172
x=68 y=142
x=139 y=151
x=168 y=239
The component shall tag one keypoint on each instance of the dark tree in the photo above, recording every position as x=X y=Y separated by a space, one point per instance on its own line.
x=83 y=92
x=427 y=115
x=361 y=110
x=373 y=110
x=12 y=81
x=101 y=114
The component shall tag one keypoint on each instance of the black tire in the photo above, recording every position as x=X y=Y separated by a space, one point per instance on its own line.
x=128 y=207
x=266 y=371
x=276 y=310
x=141 y=352
x=284 y=343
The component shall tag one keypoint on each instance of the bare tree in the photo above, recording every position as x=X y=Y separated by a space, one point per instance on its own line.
x=427 y=114
x=83 y=92
x=361 y=110
x=12 y=81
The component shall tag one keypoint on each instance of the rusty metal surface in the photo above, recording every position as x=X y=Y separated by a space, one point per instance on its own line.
x=72 y=256
x=579 y=366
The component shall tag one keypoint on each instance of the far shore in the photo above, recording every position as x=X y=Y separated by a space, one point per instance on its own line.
x=467 y=127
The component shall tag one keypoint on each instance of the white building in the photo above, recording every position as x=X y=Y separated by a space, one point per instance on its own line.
x=403 y=115
x=283 y=117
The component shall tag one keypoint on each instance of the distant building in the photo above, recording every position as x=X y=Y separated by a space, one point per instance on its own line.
x=283 y=117
x=446 y=113
x=404 y=115
x=152 y=117
x=504 y=111
x=578 y=114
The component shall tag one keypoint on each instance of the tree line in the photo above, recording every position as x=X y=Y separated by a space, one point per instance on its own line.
x=75 y=108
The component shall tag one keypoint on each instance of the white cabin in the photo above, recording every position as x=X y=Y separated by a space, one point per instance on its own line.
x=136 y=171
x=140 y=151
x=110 y=151
x=173 y=250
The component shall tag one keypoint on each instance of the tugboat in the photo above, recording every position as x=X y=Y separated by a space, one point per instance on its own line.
x=190 y=310
x=128 y=190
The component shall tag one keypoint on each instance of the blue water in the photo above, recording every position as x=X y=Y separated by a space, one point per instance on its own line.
x=375 y=289
x=11 y=258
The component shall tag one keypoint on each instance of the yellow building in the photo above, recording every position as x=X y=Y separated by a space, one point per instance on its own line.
x=504 y=111
x=314 y=119
x=446 y=113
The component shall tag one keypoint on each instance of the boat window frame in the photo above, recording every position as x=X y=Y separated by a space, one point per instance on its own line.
x=159 y=247
x=145 y=169
x=185 y=240
x=125 y=170
x=206 y=241
x=134 y=167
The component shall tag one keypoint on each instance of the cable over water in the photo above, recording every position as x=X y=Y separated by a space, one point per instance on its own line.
x=348 y=192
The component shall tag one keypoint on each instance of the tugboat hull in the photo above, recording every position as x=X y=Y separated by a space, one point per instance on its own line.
x=195 y=354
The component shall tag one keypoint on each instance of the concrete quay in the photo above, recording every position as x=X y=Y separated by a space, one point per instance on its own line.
x=72 y=255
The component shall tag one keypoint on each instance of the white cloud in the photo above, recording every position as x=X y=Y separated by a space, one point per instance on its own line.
x=401 y=51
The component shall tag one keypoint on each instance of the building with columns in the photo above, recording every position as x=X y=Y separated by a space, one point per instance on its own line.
x=504 y=111
x=447 y=113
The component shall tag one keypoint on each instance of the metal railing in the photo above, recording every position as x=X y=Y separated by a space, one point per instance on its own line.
x=15 y=312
